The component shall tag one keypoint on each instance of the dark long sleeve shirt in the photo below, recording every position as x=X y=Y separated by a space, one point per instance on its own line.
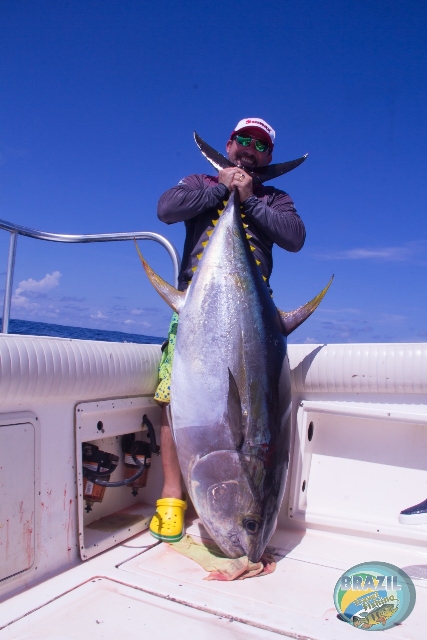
x=270 y=215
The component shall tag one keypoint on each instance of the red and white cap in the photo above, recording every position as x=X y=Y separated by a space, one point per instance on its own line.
x=259 y=125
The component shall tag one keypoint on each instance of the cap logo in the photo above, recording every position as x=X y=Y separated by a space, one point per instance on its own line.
x=260 y=124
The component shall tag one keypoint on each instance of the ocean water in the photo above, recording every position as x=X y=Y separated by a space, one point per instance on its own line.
x=26 y=327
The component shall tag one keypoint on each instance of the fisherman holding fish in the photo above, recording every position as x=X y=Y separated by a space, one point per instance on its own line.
x=269 y=217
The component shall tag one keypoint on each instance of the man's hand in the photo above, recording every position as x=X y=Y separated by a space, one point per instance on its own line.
x=242 y=182
x=237 y=179
x=225 y=176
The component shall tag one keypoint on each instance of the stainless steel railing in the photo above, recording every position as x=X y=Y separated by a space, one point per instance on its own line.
x=15 y=231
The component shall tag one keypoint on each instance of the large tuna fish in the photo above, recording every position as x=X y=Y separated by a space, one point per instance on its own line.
x=230 y=390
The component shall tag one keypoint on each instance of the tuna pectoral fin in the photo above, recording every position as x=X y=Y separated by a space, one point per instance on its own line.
x=290 y=320
x=234 y=412
x=172 y=296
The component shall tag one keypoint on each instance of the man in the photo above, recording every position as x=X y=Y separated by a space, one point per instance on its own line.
x=271 y=218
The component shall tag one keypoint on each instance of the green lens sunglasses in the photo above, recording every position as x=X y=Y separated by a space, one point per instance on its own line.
x=245 y=141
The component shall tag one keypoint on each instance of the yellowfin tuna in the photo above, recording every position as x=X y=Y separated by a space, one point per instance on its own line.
x=231 y=390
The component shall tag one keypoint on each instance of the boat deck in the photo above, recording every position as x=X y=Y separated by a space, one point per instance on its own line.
x=359 y=451
x=145 y=587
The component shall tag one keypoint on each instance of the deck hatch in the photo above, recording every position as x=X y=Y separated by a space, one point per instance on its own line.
x=17 y=499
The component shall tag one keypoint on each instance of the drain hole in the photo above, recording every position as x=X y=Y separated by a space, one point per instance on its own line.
x=310 y=431
x=303 y=486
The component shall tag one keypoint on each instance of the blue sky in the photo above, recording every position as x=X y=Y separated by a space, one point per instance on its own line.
x=99 y=102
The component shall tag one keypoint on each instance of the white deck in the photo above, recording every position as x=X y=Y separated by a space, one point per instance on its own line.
x=138 y=588
x=366 y=461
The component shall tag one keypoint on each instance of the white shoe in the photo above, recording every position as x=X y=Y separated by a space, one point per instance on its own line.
x=414 y=515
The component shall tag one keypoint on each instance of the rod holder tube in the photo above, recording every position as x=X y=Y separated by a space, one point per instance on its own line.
x=9 y=281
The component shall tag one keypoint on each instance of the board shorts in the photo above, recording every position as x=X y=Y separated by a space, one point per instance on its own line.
x=162 y=394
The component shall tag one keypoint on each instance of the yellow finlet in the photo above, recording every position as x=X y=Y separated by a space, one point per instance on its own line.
x=243 y=215
x=264 y=278
x=209 y=232
x=193 y=269
x=248 y=236
x=220 y=211
x=224 y=202
x=199 y=255
x=215 y=222
x=204 y=243
x=245 y=226
x=257 y=261
x=252 y=248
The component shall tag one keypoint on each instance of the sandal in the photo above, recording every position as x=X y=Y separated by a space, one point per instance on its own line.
x=167 y=524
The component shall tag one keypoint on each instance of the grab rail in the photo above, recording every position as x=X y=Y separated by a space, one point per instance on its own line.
x=16 y=230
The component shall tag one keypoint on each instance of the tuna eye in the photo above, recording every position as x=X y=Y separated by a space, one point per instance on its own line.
x=251 y=525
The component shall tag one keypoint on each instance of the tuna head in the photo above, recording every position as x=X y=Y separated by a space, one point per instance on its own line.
x=233 y=510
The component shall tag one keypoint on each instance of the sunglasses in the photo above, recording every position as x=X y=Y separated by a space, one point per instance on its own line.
x=245 y=141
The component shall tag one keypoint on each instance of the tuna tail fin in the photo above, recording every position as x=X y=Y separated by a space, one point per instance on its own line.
x=290 y=320
x=173 y=297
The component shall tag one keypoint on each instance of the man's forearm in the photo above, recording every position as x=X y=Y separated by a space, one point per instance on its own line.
x=184 y=202
x=279 y=222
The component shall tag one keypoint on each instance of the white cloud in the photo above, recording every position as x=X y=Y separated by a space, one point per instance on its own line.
x=394 y=254
x=23 y=303
x=392 y=318
x=50 y=281
x=409 y=252
x=99 y=316
x=139 y=323
x=339 y=311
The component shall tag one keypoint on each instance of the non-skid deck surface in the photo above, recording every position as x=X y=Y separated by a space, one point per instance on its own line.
x=159 y=592
x=103 y=608
x=297 y=599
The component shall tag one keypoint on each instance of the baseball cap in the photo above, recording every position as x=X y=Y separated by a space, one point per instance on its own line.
x=256 y=123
